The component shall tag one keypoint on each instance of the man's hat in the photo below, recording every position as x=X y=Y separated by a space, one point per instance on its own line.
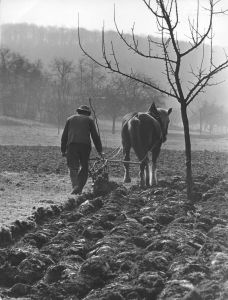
x=84 y=108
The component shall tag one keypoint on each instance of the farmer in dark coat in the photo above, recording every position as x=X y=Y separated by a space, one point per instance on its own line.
x=76 y=146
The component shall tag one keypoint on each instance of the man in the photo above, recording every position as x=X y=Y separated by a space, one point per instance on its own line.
x=76 y=146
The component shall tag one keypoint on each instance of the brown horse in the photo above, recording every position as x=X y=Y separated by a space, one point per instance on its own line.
x=144 y=132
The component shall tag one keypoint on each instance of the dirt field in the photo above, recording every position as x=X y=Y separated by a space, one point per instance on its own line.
x=131 y=244
x=37 y=189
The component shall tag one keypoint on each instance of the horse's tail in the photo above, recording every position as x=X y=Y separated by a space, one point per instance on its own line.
x=135 y=137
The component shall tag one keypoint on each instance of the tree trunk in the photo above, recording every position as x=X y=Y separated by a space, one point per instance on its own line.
x=113 y=124
x=58 y=122
x=211 y=128
x=188 y=158
x=58 y=113
x=201 y=122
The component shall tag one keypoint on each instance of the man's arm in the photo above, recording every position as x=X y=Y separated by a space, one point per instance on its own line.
x=64 y=138
x=95 y=137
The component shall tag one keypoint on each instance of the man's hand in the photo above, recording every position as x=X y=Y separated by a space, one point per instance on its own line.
x=63 y=154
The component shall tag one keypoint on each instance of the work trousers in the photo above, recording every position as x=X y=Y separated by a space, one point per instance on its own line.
x=78 y=163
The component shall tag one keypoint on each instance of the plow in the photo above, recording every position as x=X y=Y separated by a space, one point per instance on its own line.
x=99 y=170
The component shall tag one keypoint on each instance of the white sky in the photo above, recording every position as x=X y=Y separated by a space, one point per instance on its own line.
x=94 y=12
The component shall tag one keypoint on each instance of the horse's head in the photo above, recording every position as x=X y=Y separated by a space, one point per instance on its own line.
x=162 y=116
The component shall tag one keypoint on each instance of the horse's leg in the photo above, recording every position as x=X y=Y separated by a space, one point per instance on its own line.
x=126 y=143
x=126 y=157
x=142 y=172
x=155 y=154
x=147 y=172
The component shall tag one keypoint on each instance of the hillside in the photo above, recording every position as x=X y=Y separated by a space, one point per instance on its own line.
x=47 y=43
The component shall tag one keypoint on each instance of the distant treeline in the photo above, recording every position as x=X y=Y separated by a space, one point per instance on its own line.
x=29 y=91
x=47 y=43
x=44 y=76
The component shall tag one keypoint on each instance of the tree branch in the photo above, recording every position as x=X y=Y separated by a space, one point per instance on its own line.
x=135 y=45
x=107 y=64
x=200 y=38
x=203 y=82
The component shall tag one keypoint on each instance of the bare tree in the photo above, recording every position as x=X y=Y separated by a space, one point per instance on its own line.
x=113 y=99
x=208 y=116
x=20 y=85
x=90 y=79
x=5 y=58
x=169 y=52
x=62 y=71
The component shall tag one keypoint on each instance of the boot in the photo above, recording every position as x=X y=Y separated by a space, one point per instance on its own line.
x=76 y=191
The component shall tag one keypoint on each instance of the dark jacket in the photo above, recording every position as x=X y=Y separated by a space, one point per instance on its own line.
x=78 y=129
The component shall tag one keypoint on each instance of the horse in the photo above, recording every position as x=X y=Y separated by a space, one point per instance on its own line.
x=144 y=132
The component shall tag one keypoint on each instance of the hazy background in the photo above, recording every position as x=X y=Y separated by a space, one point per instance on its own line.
x=39 y=39
x=94 y=12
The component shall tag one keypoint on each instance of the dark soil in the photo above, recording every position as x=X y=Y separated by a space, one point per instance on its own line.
x=41 y=159
x=128 y=244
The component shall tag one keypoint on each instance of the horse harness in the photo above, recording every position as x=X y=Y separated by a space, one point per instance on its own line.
x=155 y=114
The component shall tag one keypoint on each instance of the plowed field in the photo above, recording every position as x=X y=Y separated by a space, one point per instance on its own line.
x=127 y=244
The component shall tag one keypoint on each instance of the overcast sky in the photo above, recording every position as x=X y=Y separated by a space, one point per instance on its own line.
x=94 y=12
